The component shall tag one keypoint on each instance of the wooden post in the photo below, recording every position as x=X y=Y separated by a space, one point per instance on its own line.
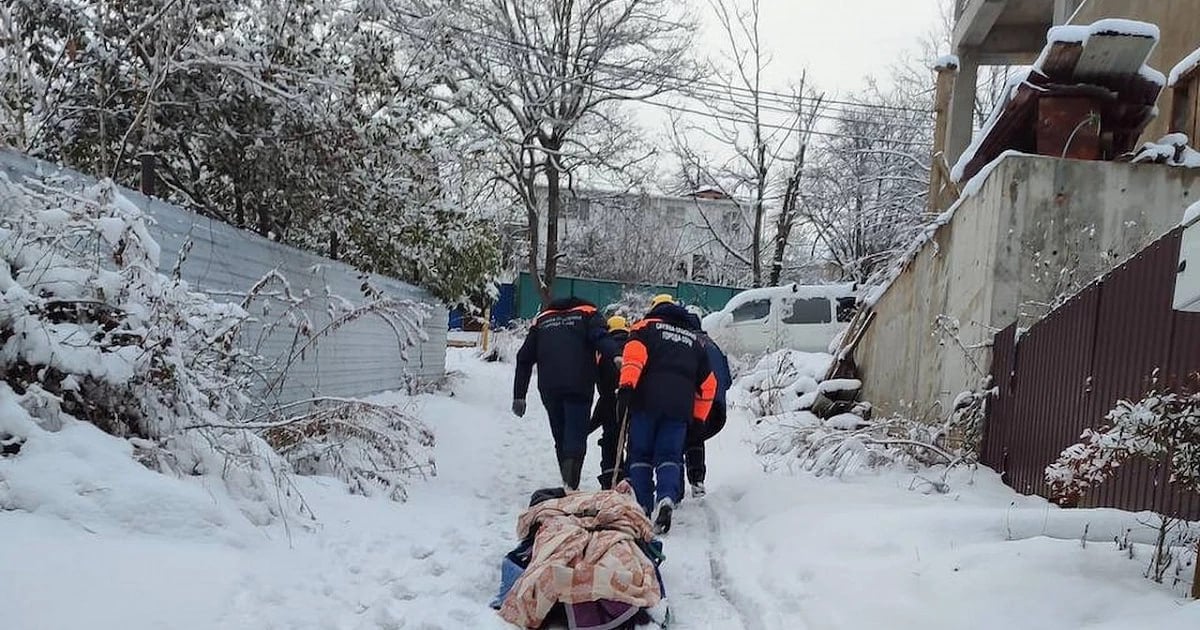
x=147 y=179
x=941 y=108
x=484 y=334
x=1196 y=577
x=1183 y=104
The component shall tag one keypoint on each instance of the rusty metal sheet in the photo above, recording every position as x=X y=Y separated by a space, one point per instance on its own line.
x=997 y=426
x=1061 y=59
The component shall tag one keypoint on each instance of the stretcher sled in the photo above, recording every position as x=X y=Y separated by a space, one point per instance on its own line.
x=586 y=561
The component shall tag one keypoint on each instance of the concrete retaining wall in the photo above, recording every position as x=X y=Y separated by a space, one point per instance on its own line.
x=1037 y=231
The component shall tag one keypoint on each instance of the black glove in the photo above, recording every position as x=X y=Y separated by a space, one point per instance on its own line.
x=624 y=397
x=518 y=407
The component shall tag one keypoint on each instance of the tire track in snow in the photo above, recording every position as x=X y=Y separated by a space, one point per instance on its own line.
x=720 y=574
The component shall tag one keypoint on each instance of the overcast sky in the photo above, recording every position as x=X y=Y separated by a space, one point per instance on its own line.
x=838 y=41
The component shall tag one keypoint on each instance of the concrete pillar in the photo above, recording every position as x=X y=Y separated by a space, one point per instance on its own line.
x=962 y=106
x=939 y=173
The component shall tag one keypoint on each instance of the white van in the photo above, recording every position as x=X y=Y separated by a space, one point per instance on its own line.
x=800 y=317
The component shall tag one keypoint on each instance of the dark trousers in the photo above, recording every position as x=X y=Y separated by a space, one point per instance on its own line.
x=605 y=417
x=655 y=456
x=697 y=434
x=569 y=423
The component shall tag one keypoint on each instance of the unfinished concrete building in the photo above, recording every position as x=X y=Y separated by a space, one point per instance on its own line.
x=1033 y=226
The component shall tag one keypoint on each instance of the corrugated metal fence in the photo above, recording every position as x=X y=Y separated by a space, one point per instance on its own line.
x=359 y=358
x=1067 y=371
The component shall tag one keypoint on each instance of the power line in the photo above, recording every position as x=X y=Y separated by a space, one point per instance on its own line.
x=722 y=115
x=680 y=82
x=893 y=122
x=783 y=128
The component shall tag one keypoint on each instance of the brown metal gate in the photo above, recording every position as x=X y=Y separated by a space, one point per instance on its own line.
x=1068 y=370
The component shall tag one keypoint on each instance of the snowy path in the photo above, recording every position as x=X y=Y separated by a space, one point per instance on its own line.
x=440 y=569
x=759 y=552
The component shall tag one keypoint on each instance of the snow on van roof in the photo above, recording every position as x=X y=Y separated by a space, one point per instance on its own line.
x=797 y=290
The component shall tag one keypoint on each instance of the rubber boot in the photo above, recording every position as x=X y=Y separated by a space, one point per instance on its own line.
x=570 y=469
x=662 y=518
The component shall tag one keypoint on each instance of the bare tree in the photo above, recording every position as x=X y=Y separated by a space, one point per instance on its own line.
x=864 y=199
x=543 y=79
x=766 y=135
x=624 y=237
x=790 y=202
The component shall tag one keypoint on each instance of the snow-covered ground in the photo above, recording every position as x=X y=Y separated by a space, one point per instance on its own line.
x=760 y=551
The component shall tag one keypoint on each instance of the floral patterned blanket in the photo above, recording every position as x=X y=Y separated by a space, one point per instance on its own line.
x=585 y=550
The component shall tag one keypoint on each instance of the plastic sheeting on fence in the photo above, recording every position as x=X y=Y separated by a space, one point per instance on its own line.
x=359 y=358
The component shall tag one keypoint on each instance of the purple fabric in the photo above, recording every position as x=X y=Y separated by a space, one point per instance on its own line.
x=601 y=614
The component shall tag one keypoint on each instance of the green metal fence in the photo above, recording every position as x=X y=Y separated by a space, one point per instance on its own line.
x=604 y=292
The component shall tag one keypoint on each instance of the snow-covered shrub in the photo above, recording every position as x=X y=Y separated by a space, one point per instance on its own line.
x=783 y=381
x=847 y=443
x=965 y=424
x=503 y=344
x=632 y=304
x=90 y=331
x=372 y=447
x=785 y=391
x=1162 y=427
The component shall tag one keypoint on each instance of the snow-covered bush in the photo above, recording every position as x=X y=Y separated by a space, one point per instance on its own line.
x=783 y=381
x=503 y=344
x=847 y=443
x=802 y=428
x=632 y=304
x=1163 y=426
x=90 y=331
x=373 y=447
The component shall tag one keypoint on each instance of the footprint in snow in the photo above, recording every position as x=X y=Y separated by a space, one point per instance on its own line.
x=387 y=619
x=403 y=593
x=421 y=552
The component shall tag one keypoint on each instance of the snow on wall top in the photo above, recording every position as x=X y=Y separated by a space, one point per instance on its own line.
x=972 y=187
x=1188 y=64
x=1190 y=216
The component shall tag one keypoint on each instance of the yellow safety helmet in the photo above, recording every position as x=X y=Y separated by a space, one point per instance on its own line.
x=616 y=322
x=661 y=298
